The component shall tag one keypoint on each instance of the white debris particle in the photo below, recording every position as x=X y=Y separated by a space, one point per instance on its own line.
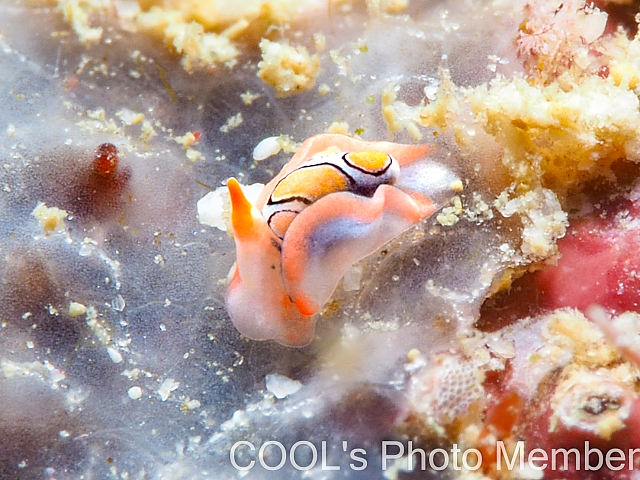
x=479 y=211
x=147 y=132
x=323 y=89
x=543 y=219
x=189 y=404
x=238 y=419
x=450 y=215
x=76 y=309
x=51 y=219
x=98 y=122
x=63 y=434
x=338 y=127
x=135 y=393
x=100 y=331
x=114 y=355
x=11 y=130
x=132 y=374
x=249 y=97
x=194 y=155
x=266 y=148
x=30 y=344
x=234 y=121
x=168 y=386
x=129 y=117
x=118 y=303
x=281 y=386
x=457 y=186
x=186 y=140
x=44 y=371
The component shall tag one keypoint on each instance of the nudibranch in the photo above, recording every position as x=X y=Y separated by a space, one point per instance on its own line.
x=338 y=200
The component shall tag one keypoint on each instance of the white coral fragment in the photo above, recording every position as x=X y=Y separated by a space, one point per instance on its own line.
x=281 y=386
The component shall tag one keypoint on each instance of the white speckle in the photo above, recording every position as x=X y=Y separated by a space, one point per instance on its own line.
x=281 y=386
x=114 y=355
x=135 y=393
x=30 y=344
x=63 y=434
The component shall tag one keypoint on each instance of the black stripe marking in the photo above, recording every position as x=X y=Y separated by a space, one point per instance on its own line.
x=277 y=245
x=304 y=200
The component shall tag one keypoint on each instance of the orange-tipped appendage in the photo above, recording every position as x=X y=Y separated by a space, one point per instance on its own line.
x=306 y=306
x=241 y=210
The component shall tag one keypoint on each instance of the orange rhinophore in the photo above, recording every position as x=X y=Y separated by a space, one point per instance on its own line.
x=338 y=200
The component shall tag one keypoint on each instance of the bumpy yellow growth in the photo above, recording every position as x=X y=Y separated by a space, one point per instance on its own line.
x=286 y=68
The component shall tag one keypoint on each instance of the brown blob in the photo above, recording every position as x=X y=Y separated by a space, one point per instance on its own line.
x=106 y=160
